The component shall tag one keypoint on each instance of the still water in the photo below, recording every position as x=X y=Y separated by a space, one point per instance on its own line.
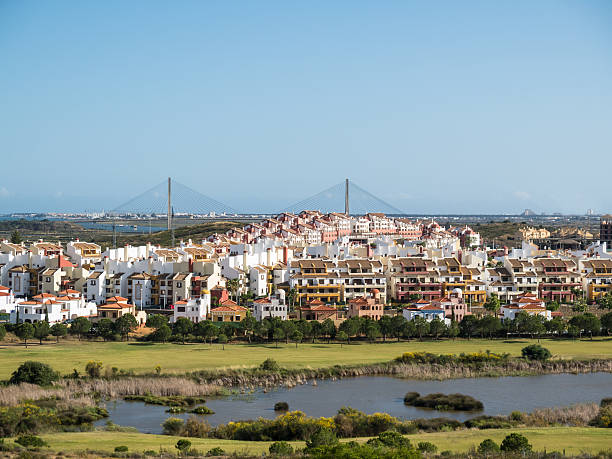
x=383 y=394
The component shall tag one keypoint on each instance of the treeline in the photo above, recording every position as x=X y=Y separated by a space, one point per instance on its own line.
x=275 y=330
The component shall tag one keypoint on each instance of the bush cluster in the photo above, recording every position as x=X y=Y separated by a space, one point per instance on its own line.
x=29 y=418
x=445 y=359
x=443 y=402
x=34 y=373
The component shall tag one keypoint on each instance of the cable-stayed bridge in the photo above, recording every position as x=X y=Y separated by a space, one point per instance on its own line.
x=344 y=197
x=172 y=197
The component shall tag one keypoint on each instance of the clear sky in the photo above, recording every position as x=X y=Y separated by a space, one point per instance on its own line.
x=436 y=107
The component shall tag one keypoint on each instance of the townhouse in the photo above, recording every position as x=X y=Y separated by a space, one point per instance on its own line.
x=414 y=277
x=558 y=279
x=597 y=278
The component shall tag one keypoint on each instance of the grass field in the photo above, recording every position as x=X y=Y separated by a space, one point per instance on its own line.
x=178 y=358
x=573 y=440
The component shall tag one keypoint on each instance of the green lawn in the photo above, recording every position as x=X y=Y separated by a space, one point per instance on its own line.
x=177 y=358
x=571 y=439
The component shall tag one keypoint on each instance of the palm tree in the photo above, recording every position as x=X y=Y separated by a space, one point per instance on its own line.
x=232 y=286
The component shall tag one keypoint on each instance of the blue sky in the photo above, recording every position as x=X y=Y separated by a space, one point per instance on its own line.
x=436 y=107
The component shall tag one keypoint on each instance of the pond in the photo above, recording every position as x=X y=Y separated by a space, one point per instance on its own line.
x=385 y=395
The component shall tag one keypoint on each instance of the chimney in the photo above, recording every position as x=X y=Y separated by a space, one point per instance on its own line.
x=106 y=264
x=125 y=253
x=285 y=254
x=244 y=260
x=148 y=248
x=150 y=266
x=268 y=257
x=29 y=258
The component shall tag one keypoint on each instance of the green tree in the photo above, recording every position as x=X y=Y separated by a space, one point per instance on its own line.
x=579 y=305
x=278 y=334
x=556 y=326
x=291 y=297
x=162 y=334
x=105 y=328
x=2 y=332
x=34 y=373
x=328 y=328
x=372 y=331
x=553 y=306
x=288 y=328
x=385 y=324
x=606 y=322
x=397 y=326
x=41 y=330
x=515 y=443
x=586 y=323
x=125 y=324
x=421 y=326
x=233 y=285
x=605 y=301
x=468 y=326
x=316 y=329
x=80 y=326
x=222 y=339
x=183 y=327
x=437 y=328
x=489 y=325
x=297 y=336
x=248 y=325
x=156 y=321
x=350 y=327
x=16 y=237
x=342 y=337
x=25 y=331
x=493 y=305
x=453 y=330
x=59 y=330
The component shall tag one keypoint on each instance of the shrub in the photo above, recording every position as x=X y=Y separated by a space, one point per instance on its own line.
x=202 y=410
x=121 y=449
x=183 y=445
x=31 y=441
x=488 y=446
x=195 y=427
x=515 y=443
x=322 y=437
x=606 y=402
x=172 y=426
x=34 y=373
x=411 y=397
x=437 y=424
x=488 y=422
x=281 y=406
x=391 y=439
x=449 y=402
x=215 y=452
x=427 y=447
x=517 y=416
x=281 y=448
x=270 y=365
x=93 y=369
x=536 y=352
x=604 y=418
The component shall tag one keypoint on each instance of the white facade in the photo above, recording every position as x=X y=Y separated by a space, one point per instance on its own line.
x=270 y=307
x=196 y=310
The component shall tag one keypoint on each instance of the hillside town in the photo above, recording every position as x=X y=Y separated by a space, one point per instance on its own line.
x=309 y=266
